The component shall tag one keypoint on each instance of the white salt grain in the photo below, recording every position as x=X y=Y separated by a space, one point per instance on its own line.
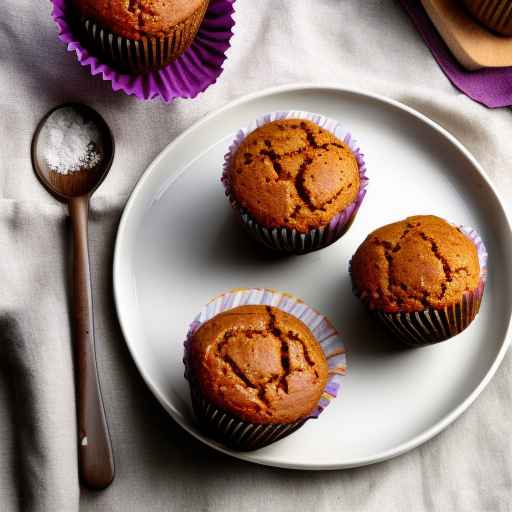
x=71 y=143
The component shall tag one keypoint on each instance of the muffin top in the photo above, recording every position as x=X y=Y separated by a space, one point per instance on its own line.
x=136 y=18
x=292 y=173
x=418 y=263
x=259 y=364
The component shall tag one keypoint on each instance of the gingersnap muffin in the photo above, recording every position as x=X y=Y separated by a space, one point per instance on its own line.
x=142 y=35
x=423 y=277
x=296 y=185
x=256 y=372
x=259 y=365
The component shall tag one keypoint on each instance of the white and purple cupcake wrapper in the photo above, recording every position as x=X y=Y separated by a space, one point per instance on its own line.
x=187 y=76
x=242 y=435
x=290 y=240
x=422 y=328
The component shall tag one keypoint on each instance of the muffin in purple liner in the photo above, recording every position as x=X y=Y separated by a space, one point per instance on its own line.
x=259 y=365
x=296 y=180
x=185 y=77
x=422 y=277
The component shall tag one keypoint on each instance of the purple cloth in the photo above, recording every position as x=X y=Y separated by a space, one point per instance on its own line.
x=491 y=87
x=191 y=73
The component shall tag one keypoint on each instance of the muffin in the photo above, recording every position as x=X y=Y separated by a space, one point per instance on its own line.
x=494 y=14
x=423 y=277
x=139 y=36
x=257 y=373
x=295 y=184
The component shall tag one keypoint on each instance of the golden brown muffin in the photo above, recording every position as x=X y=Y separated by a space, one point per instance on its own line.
x=291 y=173
x=418 y=263
x=259 y=364
x=134 y=19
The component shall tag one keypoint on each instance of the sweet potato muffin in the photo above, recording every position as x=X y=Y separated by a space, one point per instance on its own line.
x=148 y=34
x=418 y=263
x=293 y=174
x=259 y=364
x=134 y=19
x=422 y=277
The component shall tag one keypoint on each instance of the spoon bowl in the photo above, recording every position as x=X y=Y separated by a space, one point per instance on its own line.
x=79 y=182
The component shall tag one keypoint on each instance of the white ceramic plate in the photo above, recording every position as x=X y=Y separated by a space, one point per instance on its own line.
x=178 y=246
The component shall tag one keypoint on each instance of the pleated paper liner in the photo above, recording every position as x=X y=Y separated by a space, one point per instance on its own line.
x=235 y=433
x=423 y=328
x=192 y=72
x=232 y=431
x=434 y=325
x=146 y=54
x=290 y=240
x=494 y=14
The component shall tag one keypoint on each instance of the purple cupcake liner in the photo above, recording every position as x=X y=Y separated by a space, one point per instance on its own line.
x=242 y=435
x=290 y=240
x=190 y=74
x=430 y=326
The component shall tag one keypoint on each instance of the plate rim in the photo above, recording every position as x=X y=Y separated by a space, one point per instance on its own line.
x=400 y=449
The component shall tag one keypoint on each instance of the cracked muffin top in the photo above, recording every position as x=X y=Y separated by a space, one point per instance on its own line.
x=291 y=173
x=418 y=263
x=137 y=18
x=259 y=364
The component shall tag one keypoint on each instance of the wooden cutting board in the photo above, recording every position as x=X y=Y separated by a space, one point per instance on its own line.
x=473 y=45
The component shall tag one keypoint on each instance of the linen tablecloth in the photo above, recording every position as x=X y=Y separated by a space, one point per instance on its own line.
x=363 y=44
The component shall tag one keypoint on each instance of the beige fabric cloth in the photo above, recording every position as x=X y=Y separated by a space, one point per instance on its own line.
x=364 y=44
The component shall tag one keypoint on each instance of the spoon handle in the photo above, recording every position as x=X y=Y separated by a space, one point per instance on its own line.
x=95 y=459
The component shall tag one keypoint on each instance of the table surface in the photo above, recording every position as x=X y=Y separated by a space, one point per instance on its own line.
x=369 y=45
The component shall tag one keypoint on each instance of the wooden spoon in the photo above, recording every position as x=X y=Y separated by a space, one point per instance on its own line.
x=96 y=462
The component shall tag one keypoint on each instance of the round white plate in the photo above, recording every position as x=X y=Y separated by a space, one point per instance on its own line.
x=178 y=246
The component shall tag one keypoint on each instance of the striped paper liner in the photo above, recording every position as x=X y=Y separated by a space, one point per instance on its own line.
x=495 y=14
x=235 y=433
x=243 y=435
x=290 y=240
x=146 y=54
x=423 y=328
